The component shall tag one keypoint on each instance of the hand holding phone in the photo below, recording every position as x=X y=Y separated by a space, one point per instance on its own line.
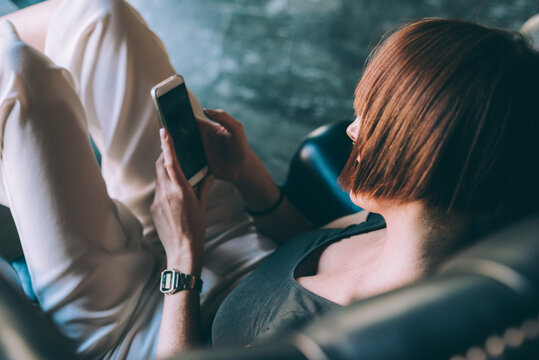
x=178 y=211
x=175 y=113
x=227 y=149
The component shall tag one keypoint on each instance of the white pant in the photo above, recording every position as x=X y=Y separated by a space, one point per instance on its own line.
x=94 y=261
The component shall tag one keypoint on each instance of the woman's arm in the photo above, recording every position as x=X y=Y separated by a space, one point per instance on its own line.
x=231 y=159
x=275 y=217
x=179 y=216
x=180 y=324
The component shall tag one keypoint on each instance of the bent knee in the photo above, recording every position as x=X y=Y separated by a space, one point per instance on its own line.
x=29 y=81
x=24 y=65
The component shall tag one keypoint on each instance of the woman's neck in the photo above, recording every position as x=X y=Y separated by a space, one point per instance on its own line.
x=415 y=243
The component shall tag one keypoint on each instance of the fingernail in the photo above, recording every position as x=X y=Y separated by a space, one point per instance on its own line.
x=209 y=111
x=163 y=134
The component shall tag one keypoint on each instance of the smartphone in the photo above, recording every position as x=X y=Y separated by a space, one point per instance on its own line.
x=176 y=115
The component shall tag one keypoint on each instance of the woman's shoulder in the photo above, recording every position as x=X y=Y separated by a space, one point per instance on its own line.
x=354 y=224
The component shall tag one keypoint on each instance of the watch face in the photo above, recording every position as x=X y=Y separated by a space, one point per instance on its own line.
x=167 y=281
x=173 y=281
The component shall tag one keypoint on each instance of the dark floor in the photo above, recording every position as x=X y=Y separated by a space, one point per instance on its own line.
x=284 y=67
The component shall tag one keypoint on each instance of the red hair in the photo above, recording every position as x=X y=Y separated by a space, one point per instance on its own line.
x=449 y=117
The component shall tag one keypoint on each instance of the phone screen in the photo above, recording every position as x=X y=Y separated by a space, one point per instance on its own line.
x=181 y=124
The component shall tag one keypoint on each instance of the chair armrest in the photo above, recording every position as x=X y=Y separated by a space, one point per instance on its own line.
x=311 y=184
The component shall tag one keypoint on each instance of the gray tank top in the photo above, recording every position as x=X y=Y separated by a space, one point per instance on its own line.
x=270 y=300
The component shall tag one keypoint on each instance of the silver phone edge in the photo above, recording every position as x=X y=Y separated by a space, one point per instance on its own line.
x=195 y=179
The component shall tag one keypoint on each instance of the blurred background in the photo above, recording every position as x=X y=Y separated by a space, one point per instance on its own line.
x=285 y=67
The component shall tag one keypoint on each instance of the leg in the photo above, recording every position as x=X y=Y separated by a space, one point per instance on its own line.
x=115 y=59
x=31 y=24
x=84 y=251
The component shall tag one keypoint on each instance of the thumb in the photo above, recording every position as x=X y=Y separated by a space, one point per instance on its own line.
x=221 y=117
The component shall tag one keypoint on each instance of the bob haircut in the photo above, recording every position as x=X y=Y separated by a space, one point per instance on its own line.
x=449 y=116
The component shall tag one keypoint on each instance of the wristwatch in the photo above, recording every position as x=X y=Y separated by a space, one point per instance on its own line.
x=173 y=281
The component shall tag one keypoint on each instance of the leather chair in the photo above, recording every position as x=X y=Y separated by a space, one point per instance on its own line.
x=311 y=183
x=26 y=333
x=482 y=304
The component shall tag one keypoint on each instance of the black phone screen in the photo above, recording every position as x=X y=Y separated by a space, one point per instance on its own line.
x=181 y=124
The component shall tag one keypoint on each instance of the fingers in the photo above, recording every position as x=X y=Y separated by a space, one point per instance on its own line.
x=160 y=179
x=170 y=162
x=160 y=168
x=204 y=189
x=207 y=127
x=222 y=117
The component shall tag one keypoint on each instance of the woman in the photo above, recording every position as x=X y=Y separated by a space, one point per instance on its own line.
x=95 y=262
x=444 y=135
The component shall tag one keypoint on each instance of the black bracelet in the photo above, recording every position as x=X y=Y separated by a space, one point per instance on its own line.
x=271 y=209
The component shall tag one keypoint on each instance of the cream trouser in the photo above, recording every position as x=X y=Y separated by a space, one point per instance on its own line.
x=87 y=235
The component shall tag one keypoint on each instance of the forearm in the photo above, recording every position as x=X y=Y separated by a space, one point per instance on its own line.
x=180 y=324
x=180 y=321
x=260 y=193
x=180 y=220
x=231 y=159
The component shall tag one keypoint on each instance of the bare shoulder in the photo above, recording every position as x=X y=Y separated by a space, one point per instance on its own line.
x=348 y=220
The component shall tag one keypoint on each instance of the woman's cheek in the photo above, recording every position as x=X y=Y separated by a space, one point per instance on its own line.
x=355 y=199
x=367 y=203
